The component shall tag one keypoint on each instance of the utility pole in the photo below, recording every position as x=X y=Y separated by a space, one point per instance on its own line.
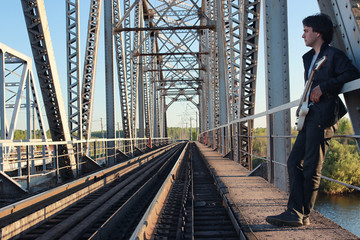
x=190 y=131
x=196 y=123
x=102 y=128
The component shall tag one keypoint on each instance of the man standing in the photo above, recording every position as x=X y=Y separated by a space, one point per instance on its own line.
x=325 y=109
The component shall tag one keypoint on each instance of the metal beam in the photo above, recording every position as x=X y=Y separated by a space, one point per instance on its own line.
x=73 y=68
x=277 y=89
x=175 y=69
x=3 y=126
x=122 y=76
x=169 y=28
x=170 y=53
x=90 y=66
x=345 y=15
x=109 y=80
x=40 y=41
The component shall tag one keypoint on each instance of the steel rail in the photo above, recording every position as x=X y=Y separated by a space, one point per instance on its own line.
x=144 y=230
x=77 y=225
x=185 y=209
x=7 y=214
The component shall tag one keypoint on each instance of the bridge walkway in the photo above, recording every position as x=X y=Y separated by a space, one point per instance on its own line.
x=252 y=199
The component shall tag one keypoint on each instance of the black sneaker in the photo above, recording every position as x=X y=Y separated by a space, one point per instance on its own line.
x=286 y=218
x=306 y=220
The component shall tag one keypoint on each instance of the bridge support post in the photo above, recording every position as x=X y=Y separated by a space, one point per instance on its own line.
x=277 y=76
x=345 y=15
x=223 y=77
x=109 y=72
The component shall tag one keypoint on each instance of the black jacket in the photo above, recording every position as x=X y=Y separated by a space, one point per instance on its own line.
x=331 y=76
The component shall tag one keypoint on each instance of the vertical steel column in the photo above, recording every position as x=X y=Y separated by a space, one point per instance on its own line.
x=277 y=84
x=90 y=65
x=2 y=157
x=28 y=104
x=2 y=106
x=163 y=116
x=206 y=100
x=141 y=94
x=109 y=78
x=154 y=82
x=40 y=41
x=147 y=86
x=73 y=68
x=345 y=15
x=135 y=70
x=248 y=37
x=3 y=127
x=122 y=78
x=223 y=77
x=155 y=109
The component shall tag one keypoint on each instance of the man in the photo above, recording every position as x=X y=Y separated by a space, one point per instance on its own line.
x=325 y=109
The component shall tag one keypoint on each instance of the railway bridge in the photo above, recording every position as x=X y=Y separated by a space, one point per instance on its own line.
x=159 y=53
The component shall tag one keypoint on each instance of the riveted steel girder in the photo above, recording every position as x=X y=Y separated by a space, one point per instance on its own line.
x=73 y=68
x=277 y=92
x=345 y=16
x=90 y=66
x=40 y=41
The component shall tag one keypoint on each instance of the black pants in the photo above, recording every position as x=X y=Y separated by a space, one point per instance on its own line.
x=305 y=164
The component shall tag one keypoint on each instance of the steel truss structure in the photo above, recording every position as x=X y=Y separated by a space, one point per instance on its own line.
x=40 y=41
x=90 y=66
x=18 y=90
x=242 y=33
x=201 y=51
x=346 y=15
x=73 y=68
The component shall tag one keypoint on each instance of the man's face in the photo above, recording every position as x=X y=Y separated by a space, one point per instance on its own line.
x=310 y=37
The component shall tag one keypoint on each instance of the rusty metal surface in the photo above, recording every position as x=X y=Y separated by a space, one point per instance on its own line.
x=254 y=199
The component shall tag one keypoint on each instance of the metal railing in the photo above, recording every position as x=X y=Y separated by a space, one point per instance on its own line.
x=23 y=160
x=210 y=137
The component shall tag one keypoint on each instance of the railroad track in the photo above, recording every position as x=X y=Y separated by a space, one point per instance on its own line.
x=176 y=183
x=88 y=209
x=193 y=208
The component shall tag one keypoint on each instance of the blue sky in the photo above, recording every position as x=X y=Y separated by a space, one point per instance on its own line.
x=14 y=34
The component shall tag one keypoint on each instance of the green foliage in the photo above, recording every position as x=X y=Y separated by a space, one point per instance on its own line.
x=345 y=128
x=342 y=161
x=343 y=164
x=22 y=134
x=178 y=133
x=102 y=134
x=259 y=143
x=257 y=161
